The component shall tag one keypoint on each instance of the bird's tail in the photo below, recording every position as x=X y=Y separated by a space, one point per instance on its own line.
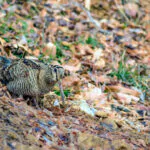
x=5 y=62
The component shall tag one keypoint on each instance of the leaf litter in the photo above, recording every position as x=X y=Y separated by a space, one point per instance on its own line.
x=106 y=50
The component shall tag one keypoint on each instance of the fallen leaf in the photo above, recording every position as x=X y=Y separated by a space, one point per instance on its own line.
x=49 y=49
x=73 y=65
x=101 y=114
x=125 y=98
x=99 y=64
x=121 y=89
x=131 y=9
x=98 y=53
x=71 y=81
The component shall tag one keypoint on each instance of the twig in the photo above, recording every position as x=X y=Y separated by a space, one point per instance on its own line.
x=121 y=12
x=61 y=92
x=72 y=2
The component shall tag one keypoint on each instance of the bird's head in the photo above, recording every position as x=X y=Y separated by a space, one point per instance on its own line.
x=54 y=73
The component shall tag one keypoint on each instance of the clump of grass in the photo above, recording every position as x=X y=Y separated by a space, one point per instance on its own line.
x=91 y=41
x=24 y=25
x=63 y=13
x=4 y=28
x=47 y=60
x=94 y=42
x=131 y=76
x=60 y=48
x=59 y=52
x=66 y=92
x=80 y=40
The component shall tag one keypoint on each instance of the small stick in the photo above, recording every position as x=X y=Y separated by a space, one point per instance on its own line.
x=61 y=92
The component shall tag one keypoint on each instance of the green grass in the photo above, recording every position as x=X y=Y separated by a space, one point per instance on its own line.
x=60 y=48
x=80 y=40
x=32 y=31
x=131 y=76
x=24 y=25
x=4 y=28
x=90 y=40
x=42 y=59
x=66 y=92
x=94 y=42
x=63 y=13
x=6 y=39
x=59 y=52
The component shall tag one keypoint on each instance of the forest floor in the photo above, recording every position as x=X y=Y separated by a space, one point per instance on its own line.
x=107 y=52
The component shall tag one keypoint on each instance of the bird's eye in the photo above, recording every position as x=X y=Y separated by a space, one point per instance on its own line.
x=25 y=61
x=55 y=70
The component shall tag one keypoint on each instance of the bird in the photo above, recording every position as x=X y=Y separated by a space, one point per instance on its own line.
x=26 y=77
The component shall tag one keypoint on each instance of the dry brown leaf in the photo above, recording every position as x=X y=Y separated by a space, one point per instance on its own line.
x=71 y=81
x=88 y=141
x=83 y=50
x=65 y=43
x=98 y=53
x=101 y=114
x=49 y=49
x=148 y=36
x=148 y=32
x=100 y=78
x=137 y=52
x=43 y=12
x=2 y=41
x=92 y=93
x=141 y=142
x=103 y=79
x=101 y=101
x=36 y=52
x=146 y=60
x=79 y=28
x=131 y=9
x=99 y=64
x=121 y=143
x=121 y=89
x=125 y=98
x=73 y=65
x=114 y=24
x=128 y=41
x=53 y=27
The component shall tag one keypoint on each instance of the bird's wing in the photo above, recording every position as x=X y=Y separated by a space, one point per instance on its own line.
x=20 y=69
x=32 y=64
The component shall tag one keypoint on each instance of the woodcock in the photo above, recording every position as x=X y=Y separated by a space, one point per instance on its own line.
x=28 y=77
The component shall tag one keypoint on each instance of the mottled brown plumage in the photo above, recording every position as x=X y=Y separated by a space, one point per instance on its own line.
x=29 y=78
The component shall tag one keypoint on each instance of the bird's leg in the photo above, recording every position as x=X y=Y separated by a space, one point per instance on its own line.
x=20 y=98
x=33 y=101
x=37 y=102
x=61 y=92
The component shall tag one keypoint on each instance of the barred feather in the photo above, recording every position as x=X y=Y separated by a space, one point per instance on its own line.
x=27 y=77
